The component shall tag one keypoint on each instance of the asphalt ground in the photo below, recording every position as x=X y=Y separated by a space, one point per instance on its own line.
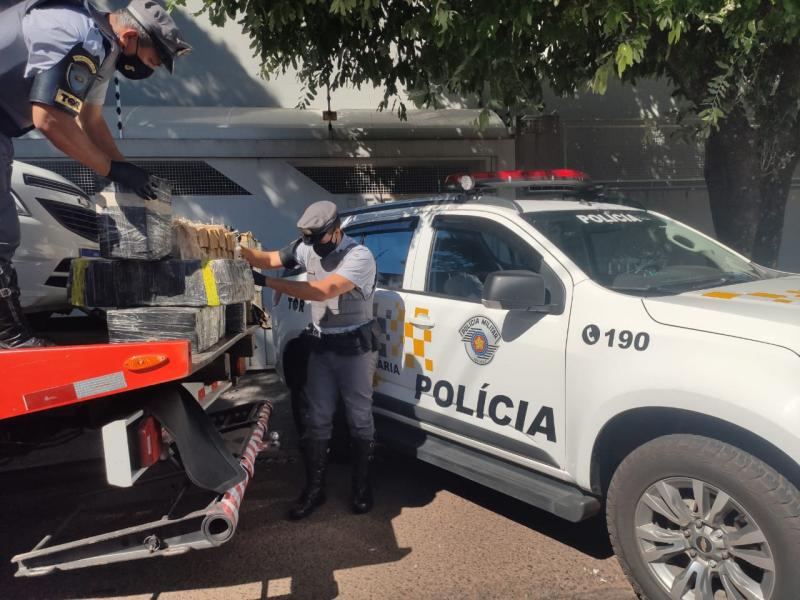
x=431 y=535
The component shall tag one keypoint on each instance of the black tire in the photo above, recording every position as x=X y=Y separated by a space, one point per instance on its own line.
x=770 y=502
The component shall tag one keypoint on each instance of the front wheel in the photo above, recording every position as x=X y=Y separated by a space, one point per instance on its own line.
x=692 y=518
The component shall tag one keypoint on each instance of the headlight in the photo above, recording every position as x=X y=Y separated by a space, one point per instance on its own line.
x=22 y=210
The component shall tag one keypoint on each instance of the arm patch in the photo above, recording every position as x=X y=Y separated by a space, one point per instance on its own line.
x=287 y=255
x=67 y=83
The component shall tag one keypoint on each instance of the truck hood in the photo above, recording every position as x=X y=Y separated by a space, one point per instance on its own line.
x=766 y=311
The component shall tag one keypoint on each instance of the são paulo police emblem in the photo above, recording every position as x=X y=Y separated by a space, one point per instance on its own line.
x=480 y=336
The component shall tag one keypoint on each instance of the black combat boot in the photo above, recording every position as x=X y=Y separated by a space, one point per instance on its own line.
x=362 y=490
x=15 y=332
x=316 y=459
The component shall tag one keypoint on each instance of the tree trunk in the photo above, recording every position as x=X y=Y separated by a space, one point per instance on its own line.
x=732 y=172
x=774 y=196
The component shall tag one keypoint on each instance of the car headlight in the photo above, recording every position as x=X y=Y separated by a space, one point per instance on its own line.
x=22 y=210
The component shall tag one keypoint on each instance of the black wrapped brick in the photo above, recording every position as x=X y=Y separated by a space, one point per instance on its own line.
x=173 y=282
x=203 y=327
x=131 y=227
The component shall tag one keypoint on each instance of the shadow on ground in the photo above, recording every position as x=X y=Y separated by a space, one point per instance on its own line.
x=267 y=547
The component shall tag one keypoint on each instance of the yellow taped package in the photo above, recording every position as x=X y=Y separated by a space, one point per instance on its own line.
x=78 y=281
x=212 y=295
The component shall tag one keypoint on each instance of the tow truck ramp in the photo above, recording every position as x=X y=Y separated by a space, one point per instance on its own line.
x=168 y=536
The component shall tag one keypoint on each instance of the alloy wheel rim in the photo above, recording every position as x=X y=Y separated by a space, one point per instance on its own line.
x=701 y=544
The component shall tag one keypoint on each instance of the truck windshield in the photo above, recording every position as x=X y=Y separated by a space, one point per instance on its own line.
x=635 y=252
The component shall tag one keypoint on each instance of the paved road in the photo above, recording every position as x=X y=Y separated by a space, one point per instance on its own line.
x=432 y=535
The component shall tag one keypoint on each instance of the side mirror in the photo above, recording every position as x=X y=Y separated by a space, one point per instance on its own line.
x=515 y=290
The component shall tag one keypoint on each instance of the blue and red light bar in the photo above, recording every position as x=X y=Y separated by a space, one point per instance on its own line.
x=467 y=181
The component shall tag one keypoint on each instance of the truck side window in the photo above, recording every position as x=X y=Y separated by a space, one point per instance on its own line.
x=389 y=243
x=467 y=249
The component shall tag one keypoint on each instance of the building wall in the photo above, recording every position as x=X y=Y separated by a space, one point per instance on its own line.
x=222 y=71
x=258 y=169
x=626 y=137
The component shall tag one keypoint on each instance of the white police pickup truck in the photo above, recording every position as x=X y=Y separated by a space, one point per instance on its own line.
x=577 y=353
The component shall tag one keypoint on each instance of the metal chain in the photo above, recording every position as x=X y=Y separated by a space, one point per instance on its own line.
x=330 y=122
x=119 y=106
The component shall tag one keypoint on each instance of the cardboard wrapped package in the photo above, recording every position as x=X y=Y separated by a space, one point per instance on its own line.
x=248 y=240
x=185 y=243
x=198 y=240
x=118 y=284
x=134 y=228
x=203 y=327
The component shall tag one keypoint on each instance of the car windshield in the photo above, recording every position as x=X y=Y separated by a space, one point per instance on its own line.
x=636 y=252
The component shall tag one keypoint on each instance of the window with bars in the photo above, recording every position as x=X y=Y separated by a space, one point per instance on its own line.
x=188 y=177
x=386 y=180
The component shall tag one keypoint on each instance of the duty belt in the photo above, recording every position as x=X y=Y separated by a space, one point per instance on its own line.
x=360 y=340
x=343 y=335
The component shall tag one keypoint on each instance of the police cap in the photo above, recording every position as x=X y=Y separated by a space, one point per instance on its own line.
x=162 y=28
x=317 y=219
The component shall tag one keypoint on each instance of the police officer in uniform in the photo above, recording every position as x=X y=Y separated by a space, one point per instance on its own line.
x=341 y=276
x=58 y=57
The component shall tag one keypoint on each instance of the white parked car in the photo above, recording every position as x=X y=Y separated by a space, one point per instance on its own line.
x=583 y=355
x=58 y=224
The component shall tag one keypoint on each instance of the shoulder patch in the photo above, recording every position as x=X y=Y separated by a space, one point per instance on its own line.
x=83 y=59
x=68 y=82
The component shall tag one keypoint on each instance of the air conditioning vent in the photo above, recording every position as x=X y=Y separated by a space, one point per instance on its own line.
x=55 y=281
x=49 y=184
x=80 y=221
x=188 y=177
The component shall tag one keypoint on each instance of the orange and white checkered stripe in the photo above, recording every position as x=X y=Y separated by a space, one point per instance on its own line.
x=789 y=297
x=416 y=339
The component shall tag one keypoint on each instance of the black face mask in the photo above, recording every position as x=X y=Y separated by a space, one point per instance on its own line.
x=324 y=249
x=132 y=66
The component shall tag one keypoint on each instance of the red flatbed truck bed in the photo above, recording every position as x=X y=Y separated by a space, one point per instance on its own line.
x=141 y=389
x=44 y=378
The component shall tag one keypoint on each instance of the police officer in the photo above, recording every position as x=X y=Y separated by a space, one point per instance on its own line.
x=58 y=57
x=341 y=276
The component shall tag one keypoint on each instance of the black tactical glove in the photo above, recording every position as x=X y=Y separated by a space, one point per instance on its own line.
x=132 y=177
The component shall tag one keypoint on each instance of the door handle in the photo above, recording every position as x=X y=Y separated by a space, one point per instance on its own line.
x=422 y=321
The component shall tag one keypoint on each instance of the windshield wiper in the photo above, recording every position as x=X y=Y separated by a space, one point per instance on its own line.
x=646 y=289
x=679 y=287
x=719 y=281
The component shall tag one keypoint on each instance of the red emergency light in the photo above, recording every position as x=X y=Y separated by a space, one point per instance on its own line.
x=468 y=181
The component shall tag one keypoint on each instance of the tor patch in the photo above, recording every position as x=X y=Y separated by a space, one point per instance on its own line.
x=68 y=101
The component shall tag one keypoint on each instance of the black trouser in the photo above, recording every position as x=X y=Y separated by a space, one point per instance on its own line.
x=334 y=371
x=9 y=219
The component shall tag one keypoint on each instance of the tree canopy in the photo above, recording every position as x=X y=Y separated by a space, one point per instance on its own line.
x=733 y=63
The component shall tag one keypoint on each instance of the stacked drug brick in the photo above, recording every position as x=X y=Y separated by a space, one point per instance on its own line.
x=162 y=279
x=198 y=240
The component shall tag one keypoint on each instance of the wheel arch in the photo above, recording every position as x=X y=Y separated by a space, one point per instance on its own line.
x=632 y=428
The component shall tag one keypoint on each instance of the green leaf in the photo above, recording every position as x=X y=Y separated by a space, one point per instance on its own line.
x=675 y=33
x=599 y=83
x=624 y=57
